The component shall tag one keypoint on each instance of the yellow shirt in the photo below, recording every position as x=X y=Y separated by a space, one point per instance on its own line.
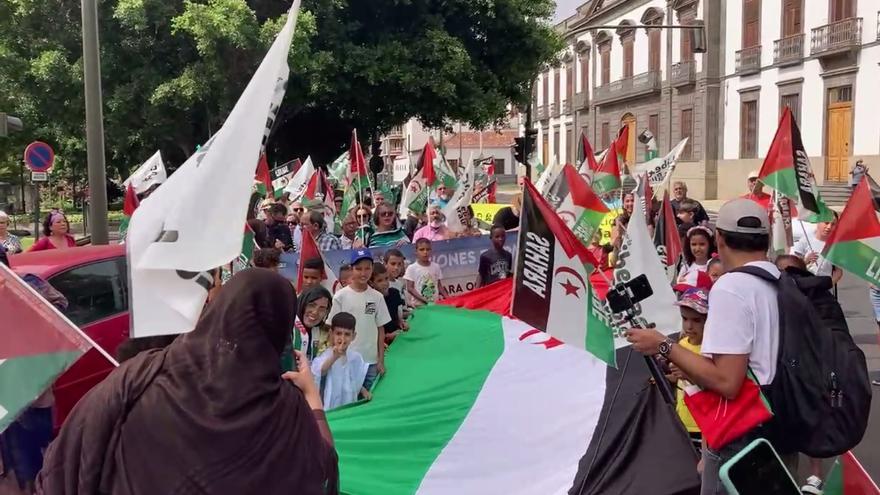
x=680 y=407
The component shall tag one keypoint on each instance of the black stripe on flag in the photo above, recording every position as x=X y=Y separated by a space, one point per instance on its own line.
x=803 y=171
x=645 y=448
x=534 y=266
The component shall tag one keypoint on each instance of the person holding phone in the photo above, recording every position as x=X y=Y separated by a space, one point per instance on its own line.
x=742 y=325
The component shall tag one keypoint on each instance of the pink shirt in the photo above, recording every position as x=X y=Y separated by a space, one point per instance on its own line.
x=45 y=244
x=440 y=233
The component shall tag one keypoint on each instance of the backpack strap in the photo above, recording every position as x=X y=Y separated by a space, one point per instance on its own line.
x=756 y=272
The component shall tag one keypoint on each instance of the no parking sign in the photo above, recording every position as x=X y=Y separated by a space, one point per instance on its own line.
x=39 y=158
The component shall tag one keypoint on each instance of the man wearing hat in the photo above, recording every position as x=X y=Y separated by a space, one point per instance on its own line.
x=742 y=325
x=756 y=191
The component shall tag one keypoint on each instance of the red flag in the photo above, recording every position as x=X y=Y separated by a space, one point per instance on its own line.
x=426 y=163
x=263 y=175
x=666 y=233
x=358 y=165
x=490 y=177
x=622 y=141
x=310 y=250
x=130 y=203
x=589 y=156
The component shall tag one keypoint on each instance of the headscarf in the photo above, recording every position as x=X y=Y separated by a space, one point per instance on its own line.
x=209 y=414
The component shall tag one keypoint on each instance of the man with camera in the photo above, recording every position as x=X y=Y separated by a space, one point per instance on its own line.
x=742 y=327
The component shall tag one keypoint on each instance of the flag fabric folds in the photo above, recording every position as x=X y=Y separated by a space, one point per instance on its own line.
x=308 y=251
x=576 y=204
x=787 y=169
x=551 y=288
x=854 y=244
x=607 y=177
x=781 y=238
x=37 y=347
x=151 y=172
x=456 y=209
x=300 y=180
x=282 y=175
x=172 y=251
x=494 y=435
x=263 y=179
x=666 y=238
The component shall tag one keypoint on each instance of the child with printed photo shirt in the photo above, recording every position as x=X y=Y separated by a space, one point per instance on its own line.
x=424 y=276
x=369 y=309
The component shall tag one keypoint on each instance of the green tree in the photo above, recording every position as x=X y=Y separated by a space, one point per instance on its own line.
x=172 y=70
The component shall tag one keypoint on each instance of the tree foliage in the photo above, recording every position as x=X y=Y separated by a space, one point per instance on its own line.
x=173 y=69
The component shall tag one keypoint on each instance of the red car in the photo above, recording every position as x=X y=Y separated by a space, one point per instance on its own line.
x=94 y=279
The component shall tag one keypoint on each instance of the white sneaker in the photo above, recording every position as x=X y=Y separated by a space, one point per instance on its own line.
x=813 y=486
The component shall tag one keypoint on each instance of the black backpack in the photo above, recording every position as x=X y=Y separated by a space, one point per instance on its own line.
x=821 y=394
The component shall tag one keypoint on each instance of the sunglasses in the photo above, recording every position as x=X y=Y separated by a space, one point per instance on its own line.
x=386 y=214
x=298 y=209
x=291 y=222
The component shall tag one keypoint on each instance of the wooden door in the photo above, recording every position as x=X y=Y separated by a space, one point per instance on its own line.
x=545 y=156
x=629 y=120
x=839 y=133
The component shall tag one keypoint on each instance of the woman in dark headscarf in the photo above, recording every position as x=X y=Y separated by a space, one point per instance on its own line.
x=309 y=335
x=210 y=414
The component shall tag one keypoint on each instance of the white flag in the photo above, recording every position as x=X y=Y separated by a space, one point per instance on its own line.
x=660 y=170
x=548 y=178
x=456 y=209
x=174 y=241
x=637 y=256
x=297 y=185
x=150 y=173
x=780 y=224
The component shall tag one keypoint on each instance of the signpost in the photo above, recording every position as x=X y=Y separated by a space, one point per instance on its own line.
x=39 y=158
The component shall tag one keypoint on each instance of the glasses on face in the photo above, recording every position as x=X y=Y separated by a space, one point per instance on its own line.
x=386 y=214
x=291 y=222
x=298 y=210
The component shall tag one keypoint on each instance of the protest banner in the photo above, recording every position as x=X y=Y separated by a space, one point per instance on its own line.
x=459 y=259
x=485 y=212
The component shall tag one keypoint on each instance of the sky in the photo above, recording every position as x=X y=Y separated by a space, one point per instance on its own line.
x=566 y=8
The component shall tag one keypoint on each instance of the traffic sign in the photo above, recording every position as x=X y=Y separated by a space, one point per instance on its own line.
x=39 y=176
x=39 y=157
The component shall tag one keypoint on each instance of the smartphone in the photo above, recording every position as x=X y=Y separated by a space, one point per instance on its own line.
x=757 y=470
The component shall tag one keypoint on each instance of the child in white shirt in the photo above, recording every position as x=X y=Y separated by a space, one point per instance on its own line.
x=340 y=370
x=424 y=276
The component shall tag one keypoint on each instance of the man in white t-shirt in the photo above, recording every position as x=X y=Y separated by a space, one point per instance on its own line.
x=810 y=249
x=742 y=327
x=370 y=311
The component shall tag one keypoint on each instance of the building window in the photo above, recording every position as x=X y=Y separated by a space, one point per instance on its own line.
x=748 y=129
x=585 y=73
x=791 y=17
x=842 y=9
x=687 y=131
x=841 y=94
x=686 y=54
x=606 y=135
x=628 y=45
x=569 y=81
x=654 y=50
x=499 y=166
x=559 y=90
x=654 y=127
x=792 y=101
x=605 y=52
x=570 y=145
x=545 y=82
x=557 y=152
x=751 y=30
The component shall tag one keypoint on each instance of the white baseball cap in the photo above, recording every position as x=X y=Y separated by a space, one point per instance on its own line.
x=743 y=216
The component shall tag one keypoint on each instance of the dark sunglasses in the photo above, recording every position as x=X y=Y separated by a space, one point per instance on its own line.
x=386 y=214
x=297 y=209
x=291 y=222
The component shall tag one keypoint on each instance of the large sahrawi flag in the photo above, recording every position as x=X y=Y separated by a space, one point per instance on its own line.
x=170 y=250
x=854 y=244
x=514 y=411
x=150 y=173
x=551 y=289
x=576 y=204
x=38 y=345
x=456 y=209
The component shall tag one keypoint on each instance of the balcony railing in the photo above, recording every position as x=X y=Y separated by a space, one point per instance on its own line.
x=789 y=50
x=638 y=85
x=748 y=60
x=581 y=102
x=542 y=112
x=836 y=37
x=554 y=109
x=684 y=73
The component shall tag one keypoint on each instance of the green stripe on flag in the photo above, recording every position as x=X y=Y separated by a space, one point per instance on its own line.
x=414 y=415
x=24 y=379
x=785 y=182
x=861 y=258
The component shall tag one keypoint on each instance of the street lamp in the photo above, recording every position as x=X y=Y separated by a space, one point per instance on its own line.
x=94 y=123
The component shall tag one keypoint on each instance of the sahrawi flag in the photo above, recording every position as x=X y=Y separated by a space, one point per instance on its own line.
x=576 y=204
x=263 y=178
x=589 y=165
x=319 y=195
x=514 y=411
x=415 y=196
x=282 y=175
x=38 y=345
x=666 y=238
x=551 y=291
x=170 y=251
x=787 y=169
x=607 y=178
x=150 y=173
x=457 y=208
x=358 y=178
x=854 y=244
x=129 y=205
